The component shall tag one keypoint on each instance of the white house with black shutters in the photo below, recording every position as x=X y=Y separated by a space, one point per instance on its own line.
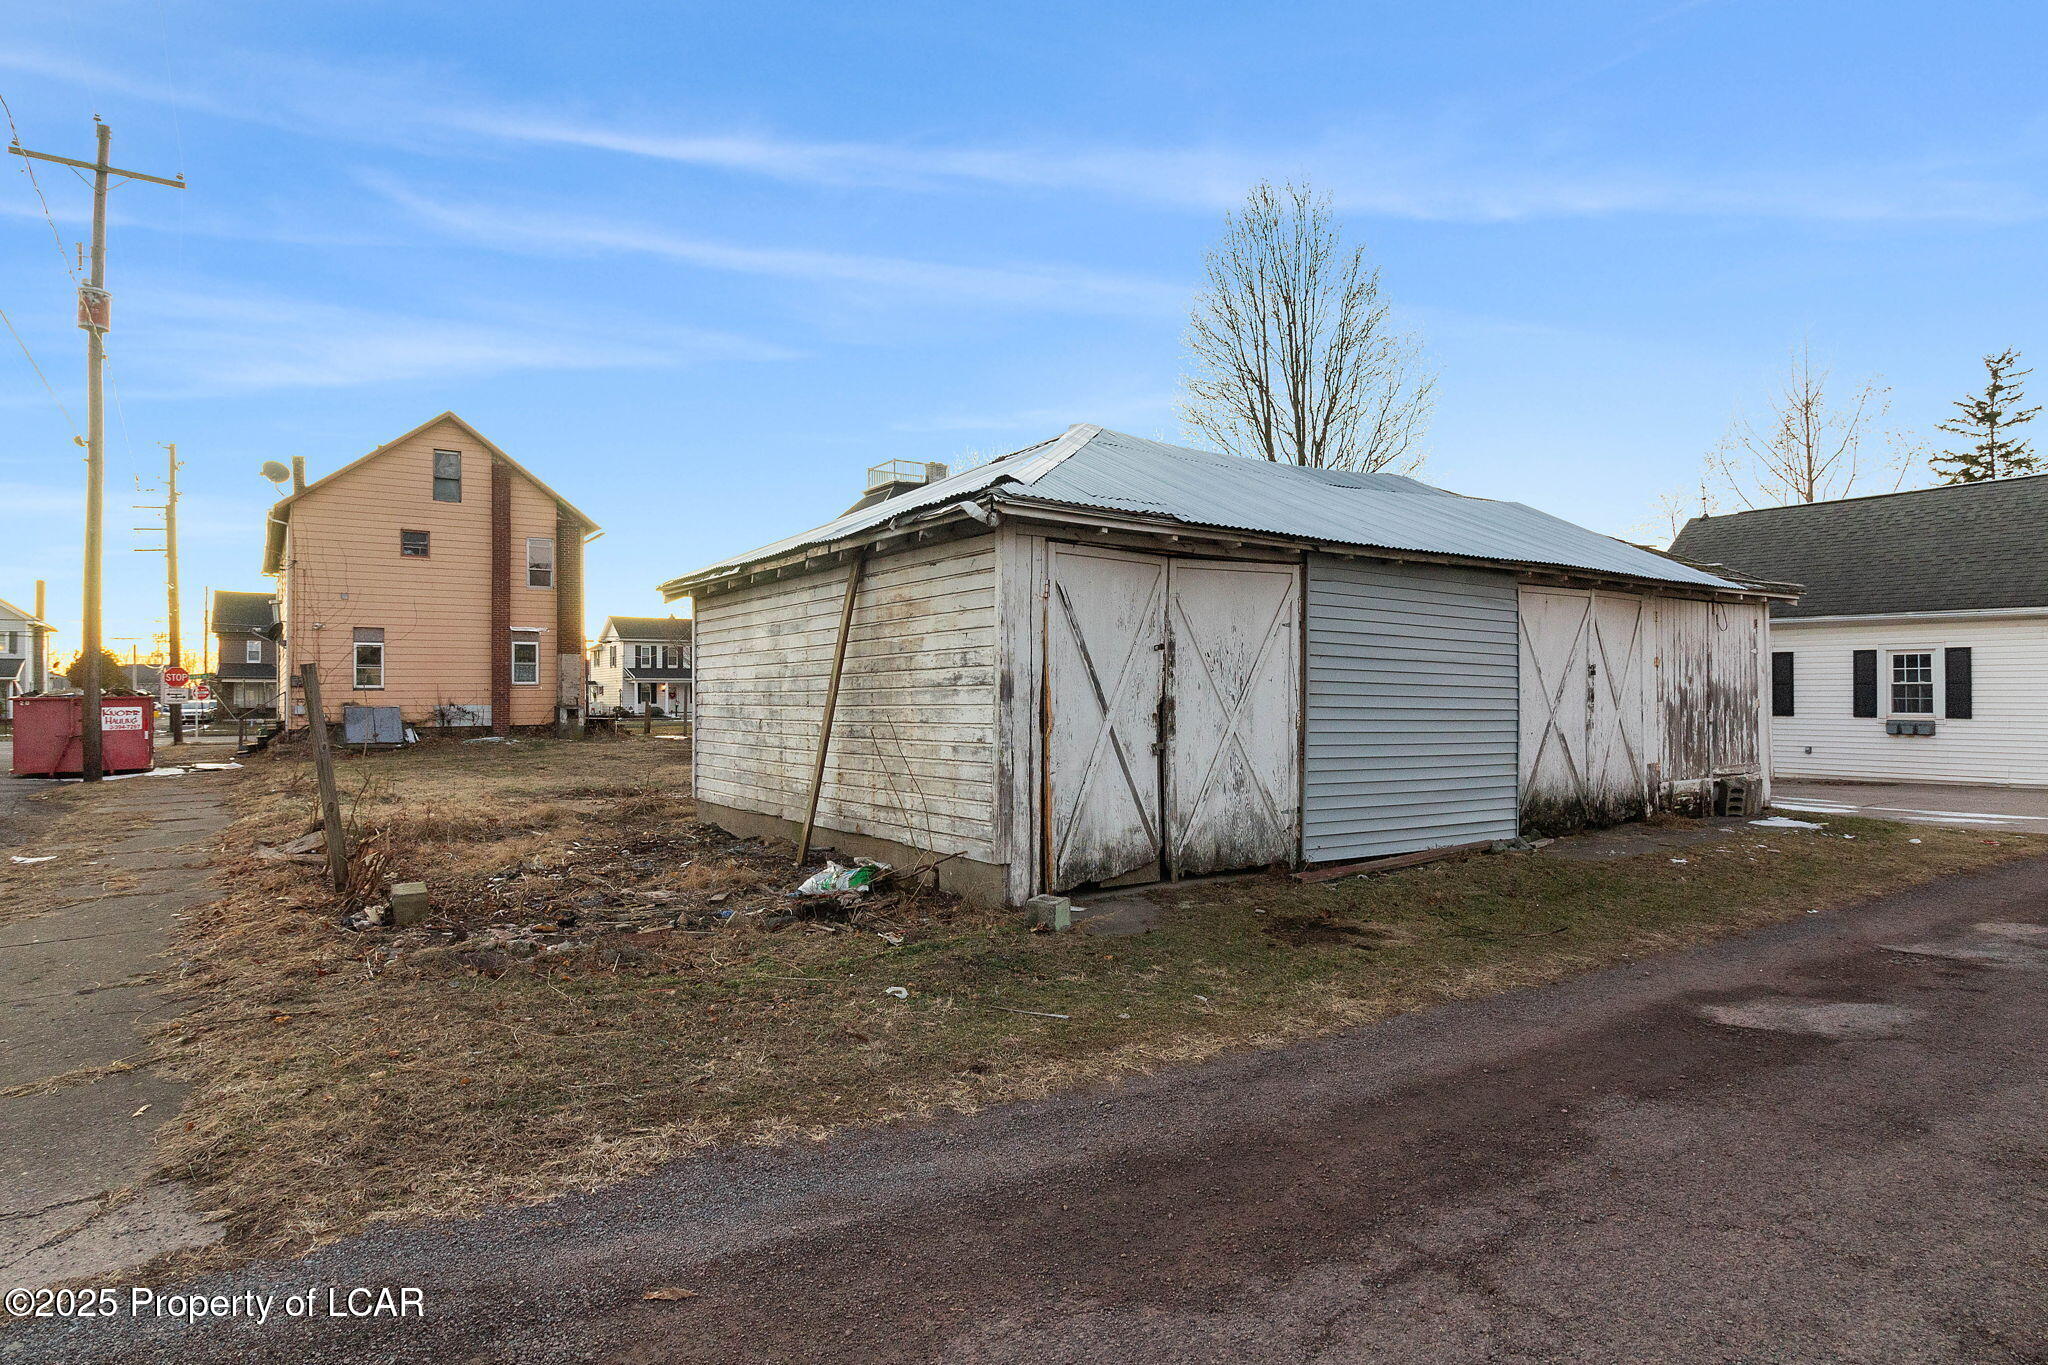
x=1919 y=650
x=641 y=664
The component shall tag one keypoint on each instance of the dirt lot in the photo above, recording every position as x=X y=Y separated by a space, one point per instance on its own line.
x=606 y=983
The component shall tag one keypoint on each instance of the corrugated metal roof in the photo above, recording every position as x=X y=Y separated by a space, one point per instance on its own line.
x=1109 y=471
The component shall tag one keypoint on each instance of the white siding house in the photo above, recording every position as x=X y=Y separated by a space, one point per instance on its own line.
x=24 y=655
x=1105 y=661
x=642 y=663
x=1918 y=651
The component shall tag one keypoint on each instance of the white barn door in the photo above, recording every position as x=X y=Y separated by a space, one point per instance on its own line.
x=1105 y=668
x=1171 y=714
x=1586 y=699
x=1233 y=792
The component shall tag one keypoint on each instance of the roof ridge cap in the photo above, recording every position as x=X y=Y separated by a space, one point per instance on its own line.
x=1068 y=444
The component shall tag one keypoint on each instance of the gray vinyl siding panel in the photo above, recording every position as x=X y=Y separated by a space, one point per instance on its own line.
x=1413 y=708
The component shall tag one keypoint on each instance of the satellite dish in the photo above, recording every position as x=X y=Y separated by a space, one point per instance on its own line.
x=275 y=472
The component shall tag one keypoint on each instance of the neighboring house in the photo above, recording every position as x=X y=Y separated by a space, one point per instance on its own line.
x=143 y=679
x=1919 y=650
x=436 y=575
x=24 y=655
x=640 y=662
x=1106 y=660
x=245 y=651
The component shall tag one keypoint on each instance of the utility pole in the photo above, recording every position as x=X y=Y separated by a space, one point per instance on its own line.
x=95 y=313
x=169 y=550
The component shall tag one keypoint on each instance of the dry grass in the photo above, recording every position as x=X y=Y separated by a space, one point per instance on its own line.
x=345 y=1077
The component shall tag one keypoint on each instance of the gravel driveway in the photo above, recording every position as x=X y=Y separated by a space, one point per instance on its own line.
x=1820 y=1142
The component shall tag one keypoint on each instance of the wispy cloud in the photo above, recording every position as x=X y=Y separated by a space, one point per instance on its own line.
x=1033 y=285
x=1436 y=167
x=226 y=344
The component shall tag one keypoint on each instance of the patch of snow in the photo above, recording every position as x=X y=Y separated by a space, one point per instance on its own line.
x=1782 y=822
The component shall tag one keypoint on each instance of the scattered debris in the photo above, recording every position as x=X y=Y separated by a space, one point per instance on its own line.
x=670 y=1293
x=900 y=992
x=48 y=857
x=833 y=879
x=1680 y=861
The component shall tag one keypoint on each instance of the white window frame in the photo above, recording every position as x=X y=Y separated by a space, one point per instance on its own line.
x=531 y=639
x=355 y=674
x=646 y=656
x=1888 y=681
x=534 y=567
x=252 y=651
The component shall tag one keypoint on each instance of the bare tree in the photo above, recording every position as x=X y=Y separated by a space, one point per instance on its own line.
x=1293 y=355
x=1674 y=509
x=1810 y=447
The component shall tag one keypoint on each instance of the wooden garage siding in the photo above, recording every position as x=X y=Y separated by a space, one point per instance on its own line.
x=1711 y=686
x=1412 y=717
x=913 y=754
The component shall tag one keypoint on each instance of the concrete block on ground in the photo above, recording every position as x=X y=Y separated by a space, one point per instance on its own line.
x=408 y=903
x=1054 y=912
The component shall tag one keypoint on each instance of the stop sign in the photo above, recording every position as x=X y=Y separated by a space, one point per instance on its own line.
x=175 y=676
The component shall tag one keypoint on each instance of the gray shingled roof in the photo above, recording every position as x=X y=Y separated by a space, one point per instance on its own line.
x=673 y=630
x=242 y=613
x=1109 y=471
x=1964 y=547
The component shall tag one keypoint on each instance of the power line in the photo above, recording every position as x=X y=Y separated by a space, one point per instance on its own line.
x=30 y=169
x=31 y=358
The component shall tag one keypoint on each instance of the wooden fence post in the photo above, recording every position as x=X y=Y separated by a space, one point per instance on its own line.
x=323 y=769
x=853 y=574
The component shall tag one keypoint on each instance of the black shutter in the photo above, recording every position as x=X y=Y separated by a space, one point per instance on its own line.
x=1863 y=684
x=1955 y=677
x=1781 y=683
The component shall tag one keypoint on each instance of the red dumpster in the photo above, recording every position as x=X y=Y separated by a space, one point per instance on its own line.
x=47 y=729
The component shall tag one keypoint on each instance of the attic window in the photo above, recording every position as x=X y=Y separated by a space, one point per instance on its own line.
x=447 y=476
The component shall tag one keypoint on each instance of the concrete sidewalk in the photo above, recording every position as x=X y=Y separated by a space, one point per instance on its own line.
x=79 y=1098
x=2024 y=809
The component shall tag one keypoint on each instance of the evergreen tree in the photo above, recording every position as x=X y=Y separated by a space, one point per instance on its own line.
x=112 y=679
x=1986 y=422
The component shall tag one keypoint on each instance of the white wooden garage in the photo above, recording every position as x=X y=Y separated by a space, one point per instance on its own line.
x=1105 y=660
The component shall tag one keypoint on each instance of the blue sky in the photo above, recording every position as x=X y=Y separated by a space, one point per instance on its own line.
x=699 y=265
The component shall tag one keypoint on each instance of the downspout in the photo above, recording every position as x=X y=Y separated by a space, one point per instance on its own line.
x=501 y=598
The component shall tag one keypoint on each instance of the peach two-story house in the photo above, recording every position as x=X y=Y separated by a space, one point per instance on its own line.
x=436 y=575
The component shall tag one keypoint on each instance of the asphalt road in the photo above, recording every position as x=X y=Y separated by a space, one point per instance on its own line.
x=1823 y=1142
